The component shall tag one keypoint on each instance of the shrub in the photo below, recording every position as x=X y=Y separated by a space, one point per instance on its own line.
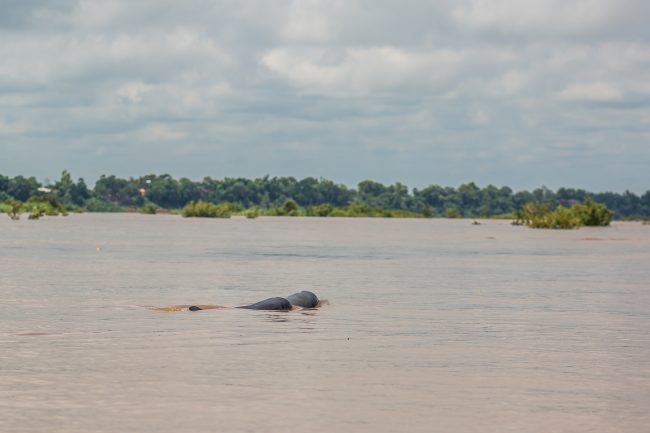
x=149 y=209
x=321 y=210
x=15 y=208
x=252 y=213
x=97 y=205
x=592 y=213
x=289 y=208
x=204 y=209
x=539 y=216
x=36 y=212
x=452 y=212
x=45 y=205
x=428 y=212
x=561 y=218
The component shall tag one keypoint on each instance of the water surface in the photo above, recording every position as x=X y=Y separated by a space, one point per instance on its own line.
x=433 y=326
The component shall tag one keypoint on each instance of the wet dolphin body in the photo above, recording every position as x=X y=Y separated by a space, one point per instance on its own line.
x=304 y=299
x=277 y=303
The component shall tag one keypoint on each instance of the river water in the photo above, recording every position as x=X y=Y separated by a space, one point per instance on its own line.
x=432 y=326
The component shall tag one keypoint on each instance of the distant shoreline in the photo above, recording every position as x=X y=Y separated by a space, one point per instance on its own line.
x=278 y=196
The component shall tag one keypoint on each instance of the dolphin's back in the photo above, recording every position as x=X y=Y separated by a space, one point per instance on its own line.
x=304 y=299
x=276 y=303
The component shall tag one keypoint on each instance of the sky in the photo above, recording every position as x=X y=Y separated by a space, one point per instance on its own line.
x=522 y=93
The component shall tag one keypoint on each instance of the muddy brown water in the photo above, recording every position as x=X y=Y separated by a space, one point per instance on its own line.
x=432 y=326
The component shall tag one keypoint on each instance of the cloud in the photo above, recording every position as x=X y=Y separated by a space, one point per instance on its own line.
x=360 y=70
x=573 y=17
x=421 y=92
x=133 y=92
x=591 y=92
x=311 y=21
x=551 y=18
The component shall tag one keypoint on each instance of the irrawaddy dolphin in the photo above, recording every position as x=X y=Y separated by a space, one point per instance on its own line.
x=303 y=299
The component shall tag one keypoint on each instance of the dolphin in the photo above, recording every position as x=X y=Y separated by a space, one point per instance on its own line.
x=303 y=299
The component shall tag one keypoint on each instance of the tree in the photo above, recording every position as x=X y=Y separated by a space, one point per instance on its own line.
x=397 y=197
x=119 y=191
x=334 y=194
x=187 y=191
x=308 y=192
x=163 y=190
x=370 y=192
x=4 y=183
x=22 y=188
x=70 y=193
x=644 y=204
x=63 y=188
x=79 y=192
x=470 y=198
x=433 y=196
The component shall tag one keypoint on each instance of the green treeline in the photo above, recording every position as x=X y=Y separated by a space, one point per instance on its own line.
x=309 y=197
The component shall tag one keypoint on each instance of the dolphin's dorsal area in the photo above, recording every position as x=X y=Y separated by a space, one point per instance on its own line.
x=304 y=299
x=277 y=304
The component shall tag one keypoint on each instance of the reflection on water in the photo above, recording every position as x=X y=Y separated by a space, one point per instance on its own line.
x=433 y=326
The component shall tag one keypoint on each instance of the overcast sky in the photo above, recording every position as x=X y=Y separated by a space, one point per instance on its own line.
x=521 y=93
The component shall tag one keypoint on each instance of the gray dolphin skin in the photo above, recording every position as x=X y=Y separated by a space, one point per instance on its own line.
x=304 y=299
x=276 y=304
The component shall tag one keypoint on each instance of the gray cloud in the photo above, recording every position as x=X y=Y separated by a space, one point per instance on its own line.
x=503 y=92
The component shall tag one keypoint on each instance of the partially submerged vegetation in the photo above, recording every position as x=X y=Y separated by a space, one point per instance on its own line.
x=207 y=210
x=14 y=209
x=291 y=209
x=540 y=215
x=35 y=207
x=353 y=210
